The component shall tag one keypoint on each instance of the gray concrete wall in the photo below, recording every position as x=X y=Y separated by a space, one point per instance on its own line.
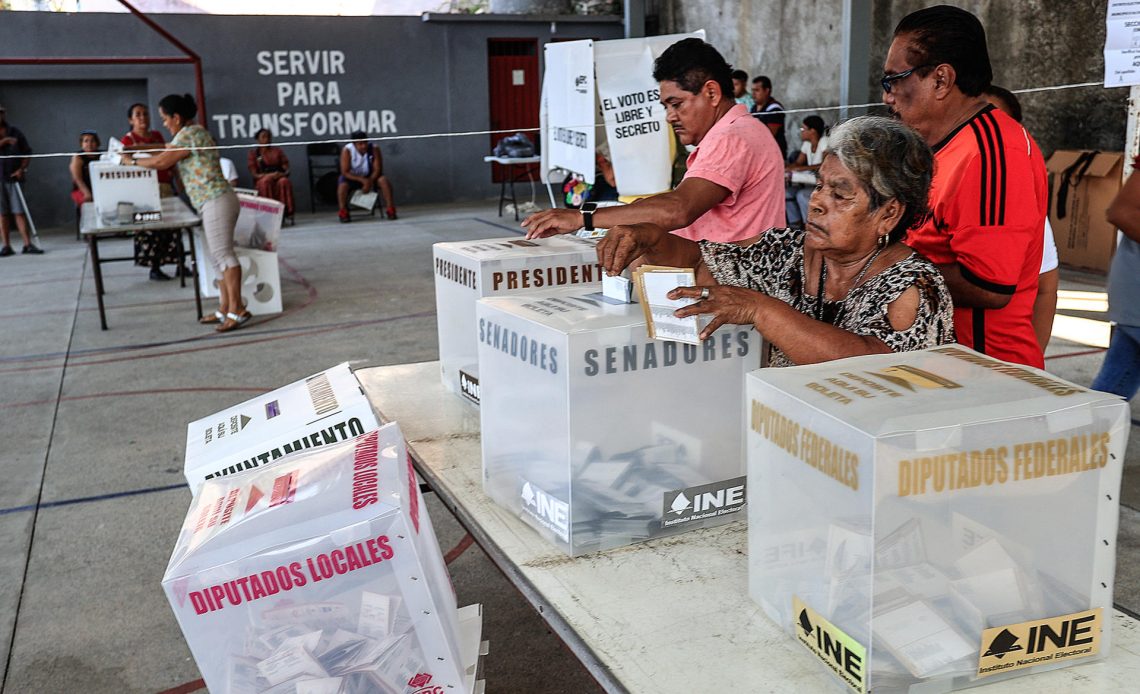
x=403 y=75
x=1032 y=43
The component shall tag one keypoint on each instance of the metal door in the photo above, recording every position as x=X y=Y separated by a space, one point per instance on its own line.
x=512 y=73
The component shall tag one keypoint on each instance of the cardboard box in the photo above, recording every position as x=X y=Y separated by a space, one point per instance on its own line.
x=112 y=184
x=927 y=510
x=260 y=277
x=1082 y=185
x=598 y=436
x=321 y=573
x=323 y=409
x=468 y=270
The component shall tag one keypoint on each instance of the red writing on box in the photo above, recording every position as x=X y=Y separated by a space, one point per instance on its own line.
x=315 y=569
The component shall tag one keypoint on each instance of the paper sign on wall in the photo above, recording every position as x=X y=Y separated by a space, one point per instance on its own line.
x=1122 y=44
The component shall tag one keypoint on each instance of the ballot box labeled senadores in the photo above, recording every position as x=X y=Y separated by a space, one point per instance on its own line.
x=322 y=409
x=597 y=435
x=468 y=270
x=321 y=573
x=934 y=520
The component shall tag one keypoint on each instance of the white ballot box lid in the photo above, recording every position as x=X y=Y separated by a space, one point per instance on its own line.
x=515 y=247
x=935 y=388
x=329 y=400
x=570 y=311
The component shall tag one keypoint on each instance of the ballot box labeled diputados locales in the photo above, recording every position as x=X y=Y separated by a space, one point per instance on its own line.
x=597 y=435
x=468 y=270
x=322 y=409
x=934 y=520
x=321 y=573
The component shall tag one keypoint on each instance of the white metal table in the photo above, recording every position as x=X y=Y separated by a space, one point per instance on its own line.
x=512 y=175
x=669 y=615
x=176 y=217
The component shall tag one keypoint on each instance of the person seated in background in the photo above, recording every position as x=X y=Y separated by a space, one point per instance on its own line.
x=270 y=170
x=362 y=168
x=813 y=133
x=153 y=249
x=229 y=171
x=79 y=167
x=1045 y=305
x=843 y=287
x=740 y=89
x=577 y=192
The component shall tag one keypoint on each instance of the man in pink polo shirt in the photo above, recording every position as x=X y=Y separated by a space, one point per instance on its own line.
x=733 y=189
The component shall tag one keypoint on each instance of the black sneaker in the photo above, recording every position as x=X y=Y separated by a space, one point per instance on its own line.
x=33 y=250
x=6 y=251
x=158 y=275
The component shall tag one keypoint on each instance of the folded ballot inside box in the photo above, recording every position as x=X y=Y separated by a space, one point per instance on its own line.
x=320 y=573
x=934 y=517
x=468 y=270
x=323 y=409
x=599 y=436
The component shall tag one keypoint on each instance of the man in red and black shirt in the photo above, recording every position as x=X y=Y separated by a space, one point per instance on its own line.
x=988 y=199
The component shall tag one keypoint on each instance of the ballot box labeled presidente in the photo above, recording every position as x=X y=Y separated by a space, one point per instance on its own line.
x=321 y=573
x=600 y=436
x=936 y=518
x=468 y=270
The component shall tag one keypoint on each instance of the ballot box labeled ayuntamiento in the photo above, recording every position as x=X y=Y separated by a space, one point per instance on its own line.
x=322 y=409
x=938 y=519
x=468 y=270
x=597 y=435
x=321 y=573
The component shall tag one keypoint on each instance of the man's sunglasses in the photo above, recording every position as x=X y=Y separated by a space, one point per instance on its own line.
x=889 y=80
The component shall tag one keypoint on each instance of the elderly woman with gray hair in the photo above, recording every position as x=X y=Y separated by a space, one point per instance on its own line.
x=844 y=286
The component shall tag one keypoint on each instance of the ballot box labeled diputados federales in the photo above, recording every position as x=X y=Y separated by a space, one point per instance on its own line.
x=322 y=409
x=597 y=435
x=321 y=573
x=468 y=270
x=934 y=520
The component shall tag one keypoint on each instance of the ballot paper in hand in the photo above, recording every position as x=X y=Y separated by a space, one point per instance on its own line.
x=653 y=285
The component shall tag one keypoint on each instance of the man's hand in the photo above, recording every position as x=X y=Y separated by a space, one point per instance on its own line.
x=18 y=175
x=624 y=244
x=727 y=305
x=550 y=222
x=7 y=141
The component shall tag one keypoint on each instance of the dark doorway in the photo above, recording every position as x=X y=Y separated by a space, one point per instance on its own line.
x=512 y=70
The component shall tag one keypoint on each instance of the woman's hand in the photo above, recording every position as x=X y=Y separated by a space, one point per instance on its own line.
x=625 y=243
x=726 y=305
x=126 y=159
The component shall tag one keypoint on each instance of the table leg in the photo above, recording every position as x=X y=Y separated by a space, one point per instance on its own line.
x=93 y=247
x=181 y=258
x=194 y=270
x=512 y=174
x=502 y=194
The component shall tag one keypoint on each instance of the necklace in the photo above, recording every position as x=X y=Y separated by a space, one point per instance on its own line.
x=823 y=279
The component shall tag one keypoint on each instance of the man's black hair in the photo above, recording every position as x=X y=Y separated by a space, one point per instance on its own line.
x=692 y=62
x=764 y=82
x=740 y=75
x=1008 y=98
x=951 y=35
x=359 y=135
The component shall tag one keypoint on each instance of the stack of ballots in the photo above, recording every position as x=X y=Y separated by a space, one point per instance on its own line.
x=934 y=518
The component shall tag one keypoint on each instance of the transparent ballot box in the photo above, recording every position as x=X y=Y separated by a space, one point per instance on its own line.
x=598 y=436
x=934 y=520
x=319 y=410
x=468 y=270
x=320 y=573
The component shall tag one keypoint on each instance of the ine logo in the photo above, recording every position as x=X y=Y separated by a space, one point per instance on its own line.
x=550 y=512
x=805 y=623
x=703 y=501
x=469 y=386
x=908 y=377
x=580 y=84
x=1003 y=644
x=842 y=654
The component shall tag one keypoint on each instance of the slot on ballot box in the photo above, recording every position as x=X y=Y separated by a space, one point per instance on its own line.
x=465 y=271
x=597 y=435
x=947 y=516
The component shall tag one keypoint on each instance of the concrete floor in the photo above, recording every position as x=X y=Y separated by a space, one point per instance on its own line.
x=94 y=428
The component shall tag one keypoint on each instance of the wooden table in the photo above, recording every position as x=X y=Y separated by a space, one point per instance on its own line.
x=176 y=218
x=669 y=615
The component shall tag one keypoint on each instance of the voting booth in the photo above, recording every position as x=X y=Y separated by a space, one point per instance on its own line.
x=256 y=237
x=323 y=409
x=125 y=194
x=598 y=436
x=614 y=79
x=468 y=270
x=936 y=518
x=321 y=573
